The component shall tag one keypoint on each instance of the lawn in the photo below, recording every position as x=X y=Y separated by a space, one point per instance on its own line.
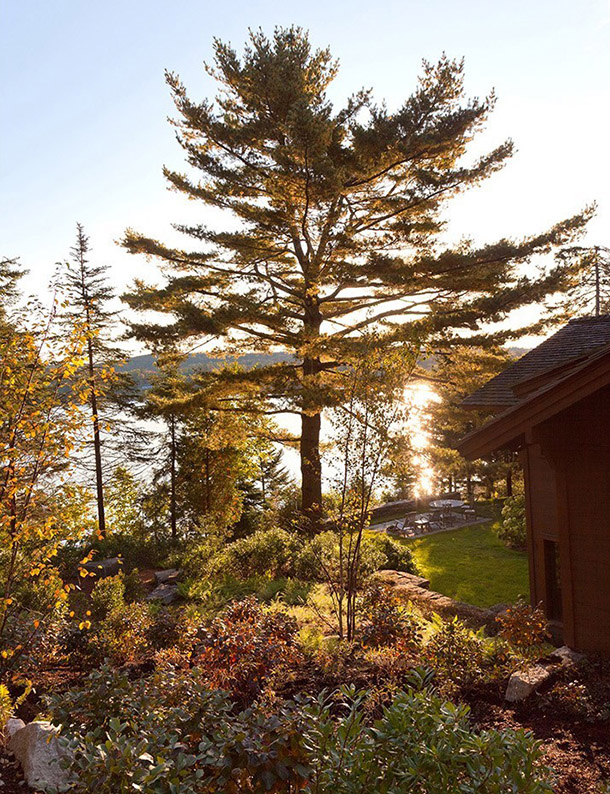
x=472 y=565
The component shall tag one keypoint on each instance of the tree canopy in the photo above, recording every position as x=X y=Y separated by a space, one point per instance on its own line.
x=334 y=227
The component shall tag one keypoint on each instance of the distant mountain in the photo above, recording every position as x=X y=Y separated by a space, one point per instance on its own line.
x=143 y=367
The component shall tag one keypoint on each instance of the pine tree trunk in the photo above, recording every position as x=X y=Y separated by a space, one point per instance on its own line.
x=311 y=470
x=97 y=447
x=172 y=425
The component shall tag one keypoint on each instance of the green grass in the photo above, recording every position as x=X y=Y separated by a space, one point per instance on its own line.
x=472 y=565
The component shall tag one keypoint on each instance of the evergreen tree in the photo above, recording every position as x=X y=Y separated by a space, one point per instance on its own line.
x=165 y=400
x=10 y=273
x=591 y=290
x=335 y=223
x=87 y=296
x=215 y=455
x=458 y=374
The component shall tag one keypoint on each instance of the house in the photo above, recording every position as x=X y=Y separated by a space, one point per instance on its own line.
x=553 y=406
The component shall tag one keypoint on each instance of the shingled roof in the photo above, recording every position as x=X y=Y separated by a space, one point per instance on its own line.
x=554 y=357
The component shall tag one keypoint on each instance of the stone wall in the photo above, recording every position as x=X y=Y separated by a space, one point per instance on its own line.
x=417 y=590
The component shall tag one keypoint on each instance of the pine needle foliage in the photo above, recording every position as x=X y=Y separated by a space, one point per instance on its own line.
x=334 y=226
x=87 y=301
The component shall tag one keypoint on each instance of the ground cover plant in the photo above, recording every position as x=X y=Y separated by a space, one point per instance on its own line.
x=140 y=731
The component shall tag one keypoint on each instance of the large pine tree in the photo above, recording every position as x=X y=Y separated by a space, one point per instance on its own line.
x=334 y=223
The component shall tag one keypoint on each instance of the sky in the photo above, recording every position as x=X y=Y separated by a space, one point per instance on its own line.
x=84 y=131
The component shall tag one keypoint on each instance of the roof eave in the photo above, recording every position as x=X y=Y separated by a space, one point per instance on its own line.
x=508 y=427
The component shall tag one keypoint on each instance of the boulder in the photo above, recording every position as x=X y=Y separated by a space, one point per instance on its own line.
x=523 y=683
x=416 y=588
x=567 y=656
x=12 y=726
x=37 y=749
x=170 y=575
x=165 y=593
x=104 y=568
x=403 y=579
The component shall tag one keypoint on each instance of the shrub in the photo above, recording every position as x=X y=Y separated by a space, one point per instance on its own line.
x=107 y=595
x=270 y=552
x=386 y=620
x=397 y=556
x=170 y=733
x=196 y=557
x=215 y=594
x=512 y=529
x=320 y=558
x=31 y=640
x=6 y=708
x=241 y=648
x=171 y=628
x=421 y=743
x=524 y=627
x=122 y=635
x=454 y=652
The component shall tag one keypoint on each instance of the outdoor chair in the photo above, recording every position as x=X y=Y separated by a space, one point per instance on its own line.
x=470 y=513
x=408 y=523
x=436 y=521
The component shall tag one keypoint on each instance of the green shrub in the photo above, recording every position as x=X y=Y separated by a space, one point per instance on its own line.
x=320 y=558
x=512 y=529
x=213 y=595
x=195 y=558
x=398 y=557
x=107 y=595
x=122 y=635
x=172 y=733
x=270 y=552
x=454 y=652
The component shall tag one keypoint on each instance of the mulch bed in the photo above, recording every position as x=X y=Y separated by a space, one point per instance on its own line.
x=11 y=776
x=576 y=744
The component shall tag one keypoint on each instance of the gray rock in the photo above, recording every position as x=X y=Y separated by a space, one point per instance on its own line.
x=567 y=656
x=38 y=751
x=12 y=726
x=523 y=683
x=104 y=568
x=170 y=575
x=165 y=593
x=499 y=609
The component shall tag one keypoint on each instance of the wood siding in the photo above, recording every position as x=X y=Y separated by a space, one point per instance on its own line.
x=575 y=445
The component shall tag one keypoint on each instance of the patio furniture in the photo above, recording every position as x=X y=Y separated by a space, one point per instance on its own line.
x=402 y=527
x=446 y=508
x=469 y=513
x=447 y=504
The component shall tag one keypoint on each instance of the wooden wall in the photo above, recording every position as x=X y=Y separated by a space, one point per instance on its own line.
x=541 y=514
x=576 y=447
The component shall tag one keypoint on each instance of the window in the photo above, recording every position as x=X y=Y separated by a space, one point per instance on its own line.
x=552 y=574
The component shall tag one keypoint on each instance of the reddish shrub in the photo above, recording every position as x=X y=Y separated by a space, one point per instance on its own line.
x=524 y=627
x=245 y=646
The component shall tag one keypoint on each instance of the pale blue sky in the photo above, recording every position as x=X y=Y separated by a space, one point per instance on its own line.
x=84 y=105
